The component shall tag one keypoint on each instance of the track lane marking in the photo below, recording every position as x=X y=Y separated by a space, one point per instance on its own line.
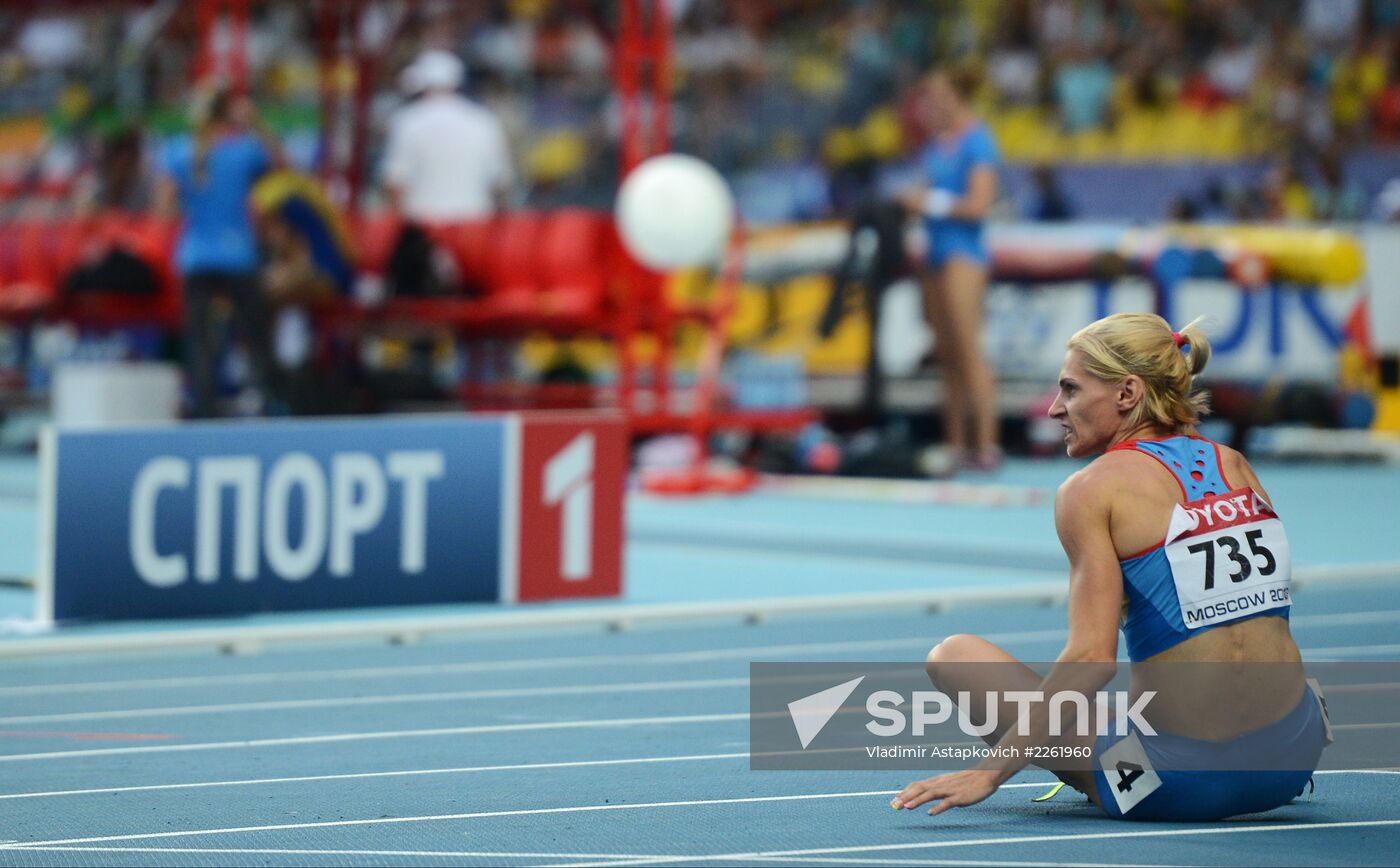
x=983 y=842
x=381 y=699
x=1336 y=619
x=602 y=723
x=473 y=815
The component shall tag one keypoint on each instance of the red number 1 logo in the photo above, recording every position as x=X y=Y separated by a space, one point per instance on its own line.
x=568 y=480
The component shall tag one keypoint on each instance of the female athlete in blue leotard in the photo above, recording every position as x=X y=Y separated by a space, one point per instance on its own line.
x=960 y=167
x=1172 y=538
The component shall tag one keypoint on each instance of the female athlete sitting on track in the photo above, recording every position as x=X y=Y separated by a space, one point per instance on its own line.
x=1173 y=534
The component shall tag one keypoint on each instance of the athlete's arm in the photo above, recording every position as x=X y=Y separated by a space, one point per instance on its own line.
x=1089 y=658
x=167 y=198
x=1087 y=663
x=981 y=195
x=1082 y=510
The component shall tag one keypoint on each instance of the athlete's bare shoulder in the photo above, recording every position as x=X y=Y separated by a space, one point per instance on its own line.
x=1125 y=468
x=1230 y=457
x=1238 y=472
x=1104 y=475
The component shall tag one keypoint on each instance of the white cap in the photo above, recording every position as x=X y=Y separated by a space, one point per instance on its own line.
x=435 y=69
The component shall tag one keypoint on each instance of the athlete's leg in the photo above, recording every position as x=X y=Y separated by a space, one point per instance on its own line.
x=964 y=285
x=948 y=667
x=949 y=358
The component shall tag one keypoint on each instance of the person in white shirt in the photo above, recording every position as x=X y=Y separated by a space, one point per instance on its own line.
x=447 y=157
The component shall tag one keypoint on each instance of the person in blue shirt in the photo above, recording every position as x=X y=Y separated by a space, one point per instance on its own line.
x=208 y=179
x=960 y=167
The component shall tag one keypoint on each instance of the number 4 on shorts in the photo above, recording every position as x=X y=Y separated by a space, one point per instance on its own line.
x=1129 y=773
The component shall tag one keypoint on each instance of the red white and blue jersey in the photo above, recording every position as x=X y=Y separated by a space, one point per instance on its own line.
x=1225 y=557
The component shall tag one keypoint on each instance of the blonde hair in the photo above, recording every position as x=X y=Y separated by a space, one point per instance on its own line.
x=1143 y=344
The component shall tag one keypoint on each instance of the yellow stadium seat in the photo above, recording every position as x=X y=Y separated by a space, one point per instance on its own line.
x=1024 y=135
x=1182 y=132
x=23 y=135
x=1091 y=145
x=74 y=101
x=842 y=146
x=1136 y=136
x=530 y=10
x=1008 y=126
x=1225 y=139
x=556 y=156
x=815 y=75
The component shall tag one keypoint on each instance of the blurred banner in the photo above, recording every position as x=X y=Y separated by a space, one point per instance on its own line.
x=1276 y=299
x=233 y=518
x=1257 y=334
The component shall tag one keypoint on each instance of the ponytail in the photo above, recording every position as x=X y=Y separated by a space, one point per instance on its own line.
x=1195 y=345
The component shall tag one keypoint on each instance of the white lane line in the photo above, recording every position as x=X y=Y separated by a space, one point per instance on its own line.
x=604 y=723
x=850 y=559
x=576 y=662
x=483 y=854
x=461 y=770
x=250 y=851
x=383 y=699
x=571 y=662
x=828 y=860
x=1358 y=772
x=506 y=692
x=1312 y=654
x=620 y=688
x=1346 y=619
x=1236 y=829
x=475 y=815
x=449 y=696
x=388 y=774
x=38 y=845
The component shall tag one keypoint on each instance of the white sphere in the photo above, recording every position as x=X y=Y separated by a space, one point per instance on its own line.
x=675 y=211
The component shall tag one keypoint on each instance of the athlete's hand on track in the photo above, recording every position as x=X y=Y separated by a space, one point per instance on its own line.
x=912 y=198
x=955 y=790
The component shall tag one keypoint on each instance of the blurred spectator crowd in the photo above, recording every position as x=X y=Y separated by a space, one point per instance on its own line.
x=1236 y=109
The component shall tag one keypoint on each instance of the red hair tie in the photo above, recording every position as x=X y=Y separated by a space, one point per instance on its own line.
x=1178 y=339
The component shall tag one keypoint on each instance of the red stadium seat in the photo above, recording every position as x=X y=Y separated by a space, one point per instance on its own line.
x=9 y=254
x=150 y=239
x=575 y=266
x=9 y=268
x=469 y=242
x=374 y=236
x=516 y=276
x=520 y=271
x=74 y=243
x=35 y=282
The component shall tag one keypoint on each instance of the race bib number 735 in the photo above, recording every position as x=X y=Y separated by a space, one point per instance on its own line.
x=1229 y=558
